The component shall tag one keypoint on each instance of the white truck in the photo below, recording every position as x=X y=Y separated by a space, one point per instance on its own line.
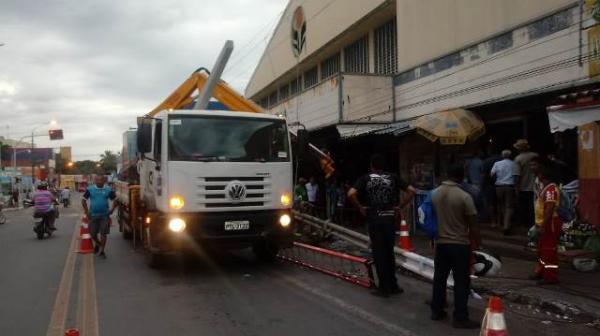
x=209 y=178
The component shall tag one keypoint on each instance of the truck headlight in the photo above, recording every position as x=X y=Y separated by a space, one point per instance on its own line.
x=286 y=199
x=285 y=220
x=176 y=202
x=176 y=225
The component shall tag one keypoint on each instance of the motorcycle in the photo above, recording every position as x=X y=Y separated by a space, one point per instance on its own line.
x=41 y=224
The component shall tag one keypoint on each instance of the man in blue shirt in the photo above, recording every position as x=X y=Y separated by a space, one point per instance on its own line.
x=505 y=171
x=98 y=212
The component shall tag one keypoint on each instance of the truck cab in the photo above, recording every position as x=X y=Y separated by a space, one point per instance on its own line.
x=215 y=178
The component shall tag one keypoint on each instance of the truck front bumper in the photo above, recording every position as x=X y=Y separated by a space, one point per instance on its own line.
x=208 y=229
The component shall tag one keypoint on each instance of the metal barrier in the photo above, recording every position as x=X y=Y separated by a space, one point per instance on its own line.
x=410 y=261
x=343 y=266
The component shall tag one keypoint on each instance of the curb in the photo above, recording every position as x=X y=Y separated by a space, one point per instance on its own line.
x=553 y=306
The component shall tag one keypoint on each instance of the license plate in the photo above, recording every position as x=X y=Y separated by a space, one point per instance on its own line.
x=237 y=225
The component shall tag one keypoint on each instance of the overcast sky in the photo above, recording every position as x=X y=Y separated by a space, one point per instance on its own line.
x=94 y=66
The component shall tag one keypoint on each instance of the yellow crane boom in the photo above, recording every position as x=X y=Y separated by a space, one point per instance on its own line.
x=184 y=96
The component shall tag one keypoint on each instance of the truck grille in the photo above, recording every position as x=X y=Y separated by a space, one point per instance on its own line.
x=212 y=193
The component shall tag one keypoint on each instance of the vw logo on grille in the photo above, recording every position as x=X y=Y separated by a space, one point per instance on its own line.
x=236 y=191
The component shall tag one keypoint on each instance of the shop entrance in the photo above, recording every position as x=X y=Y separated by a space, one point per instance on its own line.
x=503 y=134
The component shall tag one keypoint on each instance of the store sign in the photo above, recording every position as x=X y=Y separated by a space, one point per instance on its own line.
x=298 y=31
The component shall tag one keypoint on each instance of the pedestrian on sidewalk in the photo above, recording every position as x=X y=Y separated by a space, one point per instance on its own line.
x=458 y=232
x=380 y=192
x=548 y=224
x=504 y=171
x=300 y=196
x=312 y=192
x=98 y=212
x=488 y=187
x=331 y=197
x=524 y=181
x=474 y=168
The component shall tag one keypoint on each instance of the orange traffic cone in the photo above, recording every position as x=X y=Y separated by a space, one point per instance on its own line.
x=404 y=241
x=72 y=332
x=493 y=323
x=86 y=245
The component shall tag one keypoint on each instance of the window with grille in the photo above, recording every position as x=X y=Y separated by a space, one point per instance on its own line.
x=330 y=66
x=264 y=102
x=294 y=87
x=356 y=56
x=273 y=98
x=386 y=48
x=284 y=92
x=311 y=77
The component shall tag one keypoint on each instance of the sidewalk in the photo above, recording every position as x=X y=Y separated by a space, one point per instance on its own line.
x=575 y=299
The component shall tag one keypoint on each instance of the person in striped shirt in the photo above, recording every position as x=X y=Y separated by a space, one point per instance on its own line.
x=43 y=200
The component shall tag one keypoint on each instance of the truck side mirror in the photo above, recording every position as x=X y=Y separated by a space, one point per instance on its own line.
x=302 y=142
x=144 y=135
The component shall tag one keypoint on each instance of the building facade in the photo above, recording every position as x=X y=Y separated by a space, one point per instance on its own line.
x=380 y=61
x=359 y=71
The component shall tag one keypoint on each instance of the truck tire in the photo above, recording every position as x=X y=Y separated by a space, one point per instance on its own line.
x=266 y=251
x=127 y=235
x=155 y=260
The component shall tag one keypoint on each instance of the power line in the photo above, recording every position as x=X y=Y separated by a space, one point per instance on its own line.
x=307 y=20
x=544 y=69
x=255 y=40
x=506 y=53
x=496 y=57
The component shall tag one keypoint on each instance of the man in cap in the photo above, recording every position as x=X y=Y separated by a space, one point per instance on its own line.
x=524 y=181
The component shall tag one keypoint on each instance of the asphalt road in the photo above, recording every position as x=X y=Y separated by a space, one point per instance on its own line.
x=226 y=294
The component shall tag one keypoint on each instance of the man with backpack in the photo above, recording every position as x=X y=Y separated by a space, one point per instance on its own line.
x=548 y=224
x=377 y=197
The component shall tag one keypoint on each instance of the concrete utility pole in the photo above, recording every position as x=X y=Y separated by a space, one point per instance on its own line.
x=214 y=76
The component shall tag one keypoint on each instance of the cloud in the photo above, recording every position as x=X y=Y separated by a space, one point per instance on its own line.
x=96 y=65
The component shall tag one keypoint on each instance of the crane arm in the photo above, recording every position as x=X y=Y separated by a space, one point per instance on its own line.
x=224 y=93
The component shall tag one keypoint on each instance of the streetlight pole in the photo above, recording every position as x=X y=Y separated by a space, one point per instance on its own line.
x=53 y=122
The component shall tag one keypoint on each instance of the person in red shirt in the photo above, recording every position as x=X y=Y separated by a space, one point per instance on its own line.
x=548 y=224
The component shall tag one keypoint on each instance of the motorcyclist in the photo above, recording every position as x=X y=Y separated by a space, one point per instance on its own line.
x=65 y=196
x=43 y=201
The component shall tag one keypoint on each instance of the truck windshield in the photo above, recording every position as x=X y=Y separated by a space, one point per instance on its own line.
x=202 y=138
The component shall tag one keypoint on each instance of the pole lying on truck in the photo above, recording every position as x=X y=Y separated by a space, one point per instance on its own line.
x=209 y=178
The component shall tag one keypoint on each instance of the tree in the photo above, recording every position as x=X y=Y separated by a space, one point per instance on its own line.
x=85 y=167
x=108 y=161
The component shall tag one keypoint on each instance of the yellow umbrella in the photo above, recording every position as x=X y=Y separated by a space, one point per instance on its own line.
x=452 y=127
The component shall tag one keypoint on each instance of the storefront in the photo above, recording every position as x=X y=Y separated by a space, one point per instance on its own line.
x=581 y=111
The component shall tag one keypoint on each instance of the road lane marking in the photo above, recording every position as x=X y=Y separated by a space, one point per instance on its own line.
x=61 y=303
x=88 y=323
x=355 y=310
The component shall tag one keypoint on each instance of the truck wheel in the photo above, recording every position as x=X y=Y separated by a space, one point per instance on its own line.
x=155 y=260
x=266 y=251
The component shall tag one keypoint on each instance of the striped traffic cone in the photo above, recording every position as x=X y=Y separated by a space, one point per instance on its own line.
x=404 y=241
x=86 y=245
x=493 y=323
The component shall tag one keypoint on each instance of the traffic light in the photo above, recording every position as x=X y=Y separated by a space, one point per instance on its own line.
x=56 y=134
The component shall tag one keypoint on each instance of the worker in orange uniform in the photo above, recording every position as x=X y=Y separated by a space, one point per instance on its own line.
x=548 y=224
